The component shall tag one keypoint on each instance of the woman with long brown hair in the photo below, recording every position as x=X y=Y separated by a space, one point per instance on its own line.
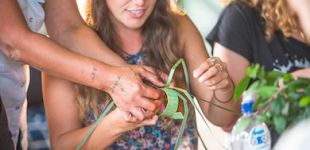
x=150 y=32
x=266 y=32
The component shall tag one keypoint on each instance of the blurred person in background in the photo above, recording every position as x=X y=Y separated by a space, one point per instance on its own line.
x=297 y=137
x=266 y=32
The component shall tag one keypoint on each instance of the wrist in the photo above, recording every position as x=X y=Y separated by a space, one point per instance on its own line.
x=107 y=78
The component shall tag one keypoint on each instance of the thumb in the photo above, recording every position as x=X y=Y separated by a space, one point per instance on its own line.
x=149 y=122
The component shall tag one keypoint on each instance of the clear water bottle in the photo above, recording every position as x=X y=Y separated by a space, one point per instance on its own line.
x=248 y=133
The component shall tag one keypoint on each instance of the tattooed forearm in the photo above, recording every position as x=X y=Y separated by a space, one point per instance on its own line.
x=93 y=73
x=116 y=83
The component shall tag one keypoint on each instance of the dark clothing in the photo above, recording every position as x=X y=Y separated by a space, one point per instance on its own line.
x=6 y=142
x=240 y=28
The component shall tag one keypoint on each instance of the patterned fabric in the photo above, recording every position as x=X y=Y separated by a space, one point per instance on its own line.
x=163 y=135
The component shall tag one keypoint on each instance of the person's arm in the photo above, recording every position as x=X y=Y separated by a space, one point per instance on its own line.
x=207 y=80
x=123 y=83
x=302 y=9
x=64 y=124
x=236 y=67
x=304 y=73
x=65 y=25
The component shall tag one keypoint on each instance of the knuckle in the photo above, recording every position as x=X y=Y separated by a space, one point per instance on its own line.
x=136 y=88
x=142 y=117
x=211 y=82
x=152 y=107
x=225 y=82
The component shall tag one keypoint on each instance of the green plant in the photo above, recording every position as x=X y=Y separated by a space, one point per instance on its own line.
x=279 y=107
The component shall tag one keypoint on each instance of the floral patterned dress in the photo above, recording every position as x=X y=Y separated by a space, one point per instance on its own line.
x=163 y=135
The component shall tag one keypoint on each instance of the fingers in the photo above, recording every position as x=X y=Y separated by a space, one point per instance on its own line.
x=149 y=122
x=202 y=69
x=221 y=85
x=136 y=115
x=128 y=116
x=145 y=109
x=163 y=76
x=213 y=73
x=137 y=112
x=211 y=78
x=146 y=104
x=150 y=93
x=149 y=74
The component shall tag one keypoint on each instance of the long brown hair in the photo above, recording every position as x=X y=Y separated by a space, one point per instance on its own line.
x=160 y=43
x=277 y=15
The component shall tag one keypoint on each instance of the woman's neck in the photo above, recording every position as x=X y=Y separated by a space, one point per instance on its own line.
x=131 y=40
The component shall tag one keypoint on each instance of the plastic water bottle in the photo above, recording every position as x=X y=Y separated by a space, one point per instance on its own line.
x=248 y=134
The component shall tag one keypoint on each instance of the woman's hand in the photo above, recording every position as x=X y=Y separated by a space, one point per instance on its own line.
x=122 y=125
x=213 y=73
x=135 y=99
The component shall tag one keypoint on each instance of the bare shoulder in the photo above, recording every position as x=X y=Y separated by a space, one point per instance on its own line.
x=186 y=28
x=184 y=22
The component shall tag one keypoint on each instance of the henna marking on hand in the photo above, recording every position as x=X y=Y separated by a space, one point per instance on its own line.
x=93 y=73
x=123 y=90
x=116 y=83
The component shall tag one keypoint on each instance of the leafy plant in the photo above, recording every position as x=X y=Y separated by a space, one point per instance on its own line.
x=280 y=107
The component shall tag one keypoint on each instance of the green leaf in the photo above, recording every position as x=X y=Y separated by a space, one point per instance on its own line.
x=273 y=77
x=297 y=84
x=254 y=86
x=261 y=74
x=305 y=101
x=285 y=110
x=276 y=107
x=280 y=123
x=293 y=96
x=287 y=78
x=307 y=90
x=261 y=118
x=252 y=71
x=241 y=87
x=266 y=92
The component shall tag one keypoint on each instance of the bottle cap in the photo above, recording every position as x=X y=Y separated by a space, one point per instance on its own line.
x=247 y=102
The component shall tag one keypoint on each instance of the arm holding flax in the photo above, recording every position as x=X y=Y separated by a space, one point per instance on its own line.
x=65 y=126
x=207 y=80
x=66 y=26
